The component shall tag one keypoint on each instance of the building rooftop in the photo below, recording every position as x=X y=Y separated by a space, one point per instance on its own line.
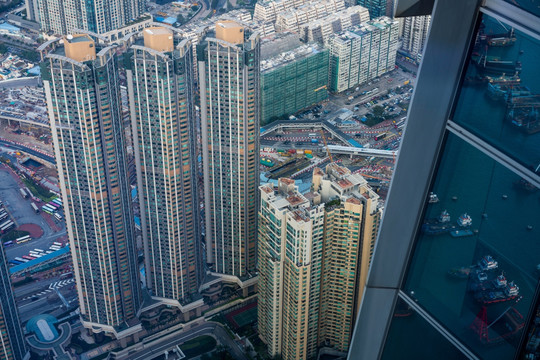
x=298 y=53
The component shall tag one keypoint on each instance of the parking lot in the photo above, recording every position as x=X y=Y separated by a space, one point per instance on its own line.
x=22 y=213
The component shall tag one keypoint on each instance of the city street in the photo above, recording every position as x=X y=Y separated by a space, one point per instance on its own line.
x=206 y=328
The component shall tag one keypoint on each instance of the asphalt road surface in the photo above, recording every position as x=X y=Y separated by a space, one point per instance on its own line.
x=27 y=150
x=21 y=213
x=204 y=329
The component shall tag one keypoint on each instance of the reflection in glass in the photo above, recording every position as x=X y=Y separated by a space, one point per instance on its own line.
x=532 y=345
x=411 y=337
x=474 y=267
x=500 y=97
x=532 y=6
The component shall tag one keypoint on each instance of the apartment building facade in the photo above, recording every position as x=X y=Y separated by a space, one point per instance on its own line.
x=82 y=89
x=362 y=53
x=161 y=97
x=228 y=67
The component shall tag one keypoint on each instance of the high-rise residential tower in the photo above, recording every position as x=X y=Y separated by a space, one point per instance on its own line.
x=314 y=255
x=12 y=342
x=414 y=35
x=100 y=16
x=82 y=88
x=378 y=8
x=160 y=88
x=362 y=53
x=290 y=263
x=228 y=66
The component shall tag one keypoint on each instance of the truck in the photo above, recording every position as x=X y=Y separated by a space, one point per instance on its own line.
x=314 y=141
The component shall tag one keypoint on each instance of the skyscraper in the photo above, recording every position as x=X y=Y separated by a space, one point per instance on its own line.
x=362 y=53
x=352 y=216
x=64 y=16
x=455 y=272
x=12 y=342
x=82 y=88
x=414 y=35
x=314 y=254
x=378 y=8
x=228 y=66
x=160 y=88
x=290 y=262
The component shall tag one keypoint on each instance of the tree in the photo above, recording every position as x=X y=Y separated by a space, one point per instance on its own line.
x=378 y=111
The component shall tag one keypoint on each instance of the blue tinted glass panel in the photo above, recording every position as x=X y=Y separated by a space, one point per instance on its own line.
x=532 y=342
x=500 y=97
x=532 y=6
x=475 y=263
x=412 y=338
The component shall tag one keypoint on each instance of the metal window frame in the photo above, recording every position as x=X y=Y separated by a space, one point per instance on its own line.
x=419 y=155
x=443 y=63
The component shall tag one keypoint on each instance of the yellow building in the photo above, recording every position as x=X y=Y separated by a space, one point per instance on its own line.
x=314 y=254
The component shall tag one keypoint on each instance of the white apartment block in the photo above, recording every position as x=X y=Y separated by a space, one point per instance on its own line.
x=293 y=19
x=362 y=53
x=321 y=29
x=414 y=34
x=268 y=10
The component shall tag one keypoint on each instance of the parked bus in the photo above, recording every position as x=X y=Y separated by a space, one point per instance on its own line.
x=26 y=239
x=21 y=260
x=8 y=226
x=23 y=239
x=5 y=223
x=28 y=257
x=57 y=243
x=39 y=250
x=380 y=136
x=57 y=202
x=49 y=207
x=34 y=207
x=58 y=216
x=33 y=253
x=312 y=134
x=54 y=248
x=15 y=262
x=3 y=216
x=53 y=205
x=23 y=193
x=8 y=243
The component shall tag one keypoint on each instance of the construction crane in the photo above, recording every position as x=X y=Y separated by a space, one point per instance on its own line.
x=326 y=146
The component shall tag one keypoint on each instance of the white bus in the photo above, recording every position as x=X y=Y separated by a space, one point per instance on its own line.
x=34 y=207
x=23 y=239
x=39 y=250
x=23 y=193
x=57 y=243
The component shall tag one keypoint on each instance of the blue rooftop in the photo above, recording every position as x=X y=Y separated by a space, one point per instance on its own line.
x=9 y=27
x=37 y=261
x=43 y=326
x=355 y=143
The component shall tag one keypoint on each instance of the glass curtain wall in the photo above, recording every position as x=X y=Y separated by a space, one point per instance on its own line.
x=469 y=285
